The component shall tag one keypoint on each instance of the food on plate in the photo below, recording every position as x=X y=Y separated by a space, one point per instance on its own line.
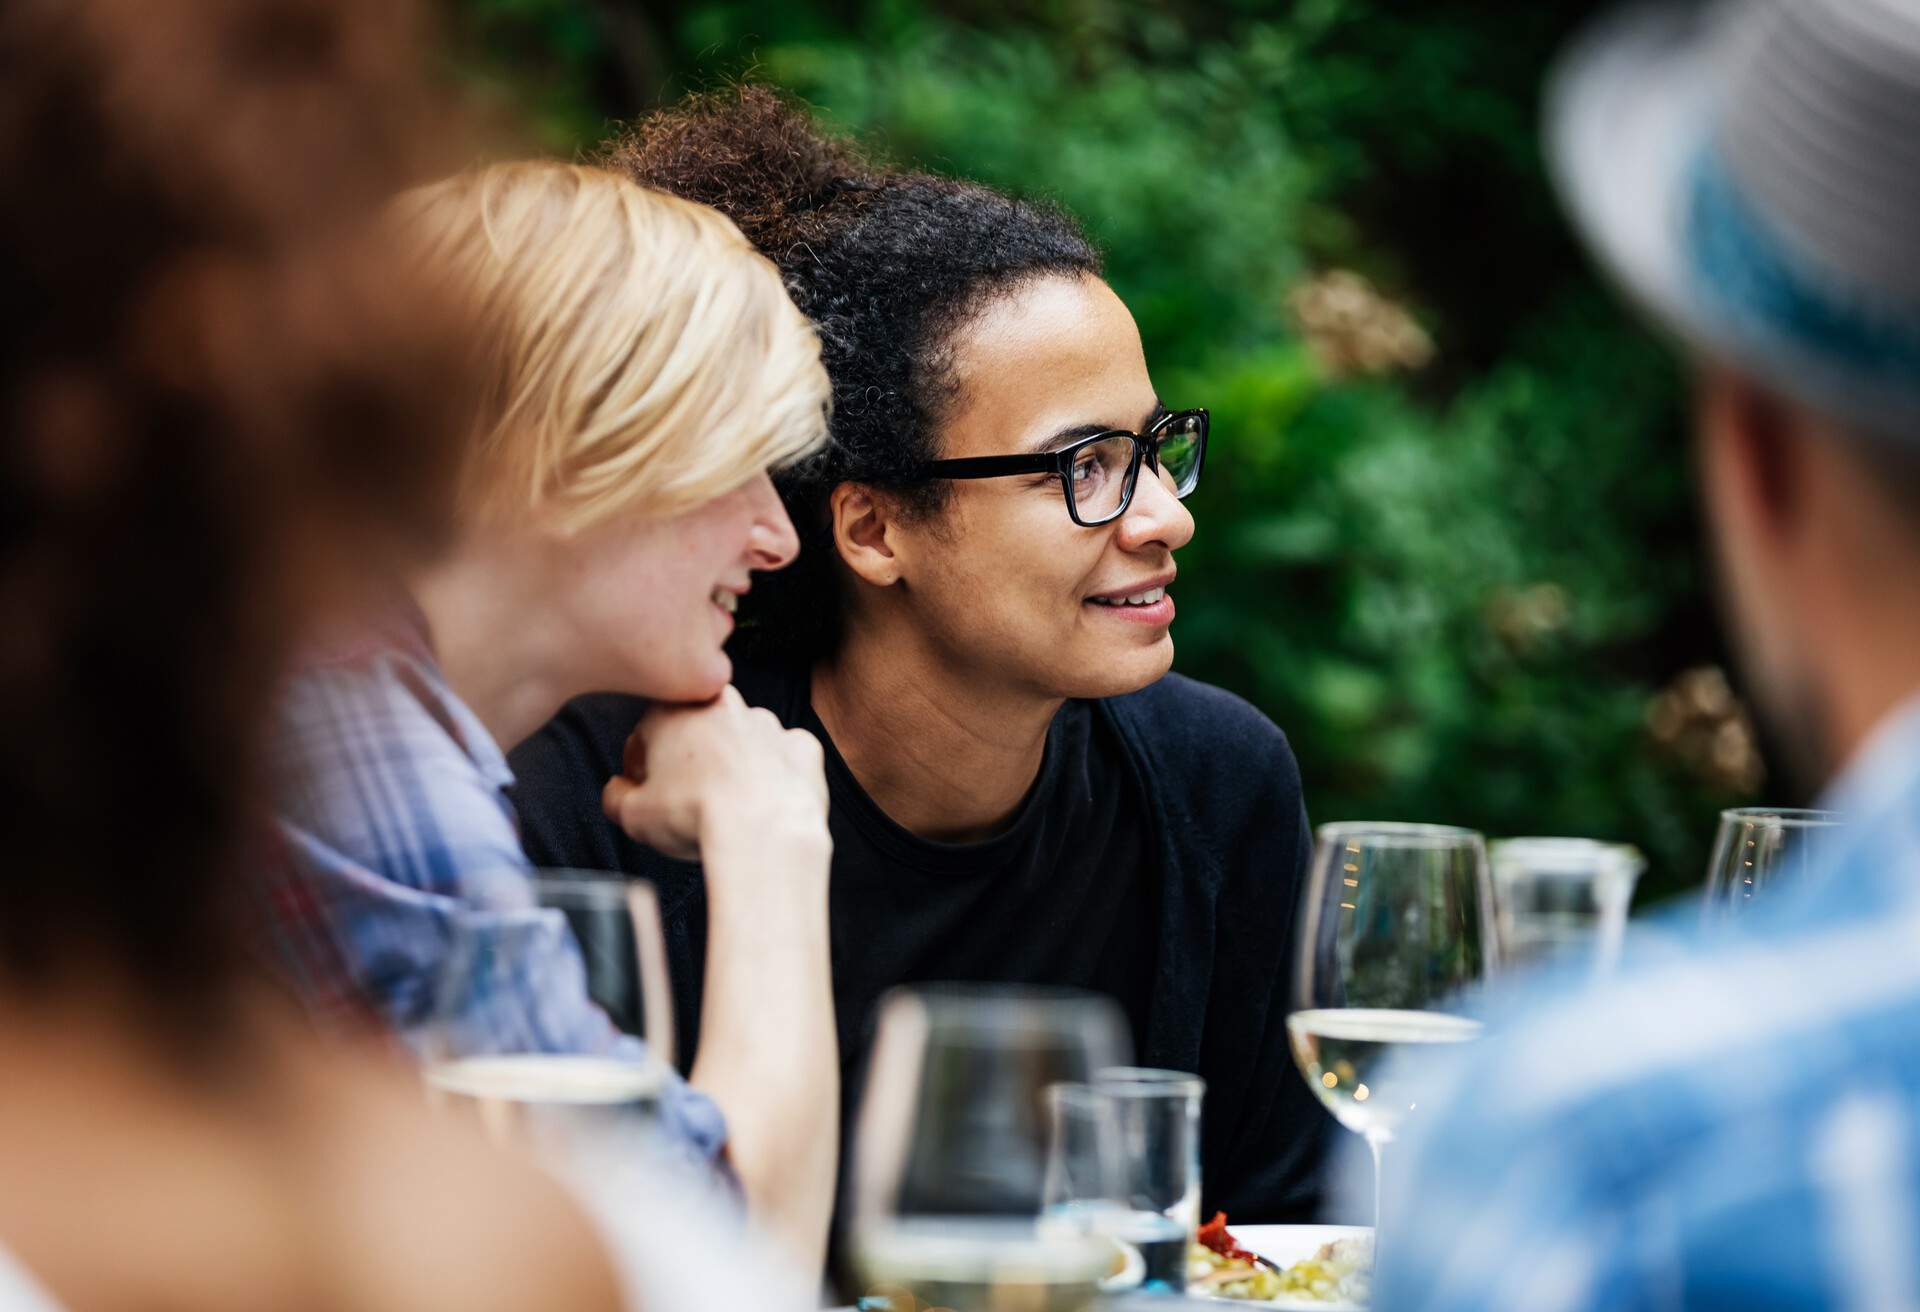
x=1338 y=1272
x=1217 y=1265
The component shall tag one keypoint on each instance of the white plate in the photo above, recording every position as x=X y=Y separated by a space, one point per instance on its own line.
x=1283 y=1245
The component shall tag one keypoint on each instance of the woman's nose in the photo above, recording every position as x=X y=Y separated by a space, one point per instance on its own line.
x=1156 y=515
x=773 y=542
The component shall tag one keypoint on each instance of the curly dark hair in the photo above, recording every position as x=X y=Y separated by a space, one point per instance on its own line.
x=889 y=264
x=210 y=378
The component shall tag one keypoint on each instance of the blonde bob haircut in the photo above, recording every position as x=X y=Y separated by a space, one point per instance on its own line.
x=640 y=356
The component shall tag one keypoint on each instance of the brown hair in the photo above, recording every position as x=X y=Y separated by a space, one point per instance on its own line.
x=208 y=379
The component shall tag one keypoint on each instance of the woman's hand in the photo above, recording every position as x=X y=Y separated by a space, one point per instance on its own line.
x=725 y=783
x=696 y=776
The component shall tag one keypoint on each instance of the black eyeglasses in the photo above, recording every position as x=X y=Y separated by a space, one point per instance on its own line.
x=1098 y=473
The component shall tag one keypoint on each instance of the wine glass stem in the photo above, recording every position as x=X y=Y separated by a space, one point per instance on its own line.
x=1378 y=1147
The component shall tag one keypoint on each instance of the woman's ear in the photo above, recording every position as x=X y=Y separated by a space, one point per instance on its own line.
x=864 y=533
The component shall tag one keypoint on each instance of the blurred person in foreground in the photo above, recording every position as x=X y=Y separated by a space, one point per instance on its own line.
x=1021 y=792
x=642 y=369
x=218 y=405
x=1738 y=1124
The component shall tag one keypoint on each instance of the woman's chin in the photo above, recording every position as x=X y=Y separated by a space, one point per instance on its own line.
x=698 y=681
x=1153 y=666
x=1124 y=672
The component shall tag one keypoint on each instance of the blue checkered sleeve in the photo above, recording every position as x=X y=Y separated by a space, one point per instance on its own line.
x=1733 y=1123
x=400 y=866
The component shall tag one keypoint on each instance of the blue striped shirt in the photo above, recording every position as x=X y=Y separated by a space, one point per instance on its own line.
x=1733 y=1121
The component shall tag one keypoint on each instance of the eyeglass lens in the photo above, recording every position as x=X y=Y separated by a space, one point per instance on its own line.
x=1100 y=468
x=1180 y=453
x=1100 y=477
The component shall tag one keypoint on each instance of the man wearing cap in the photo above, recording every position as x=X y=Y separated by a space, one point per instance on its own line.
x=1737 y=1123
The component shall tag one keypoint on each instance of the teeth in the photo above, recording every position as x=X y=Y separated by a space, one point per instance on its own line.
x=725 y=600
x=1146 y=598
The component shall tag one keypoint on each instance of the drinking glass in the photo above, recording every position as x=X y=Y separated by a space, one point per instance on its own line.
x=1125 y=1163
x=1396 y=922
x=1561 y=897
x=547 y=986
x=1757 y=846
x=951 y=1149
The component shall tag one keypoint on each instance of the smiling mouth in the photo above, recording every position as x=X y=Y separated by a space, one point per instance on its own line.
x=1145 y=598
x=726 y=601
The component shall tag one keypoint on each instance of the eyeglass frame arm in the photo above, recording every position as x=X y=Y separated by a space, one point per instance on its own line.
x=1146 y=446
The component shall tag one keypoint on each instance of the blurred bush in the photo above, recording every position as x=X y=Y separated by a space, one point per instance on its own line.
x=1446 y=538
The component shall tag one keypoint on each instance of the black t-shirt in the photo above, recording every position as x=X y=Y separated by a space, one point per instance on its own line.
x=1063 y=895
x=1180 y=910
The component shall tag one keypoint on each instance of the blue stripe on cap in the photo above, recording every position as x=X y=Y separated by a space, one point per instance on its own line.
x=1744 y=274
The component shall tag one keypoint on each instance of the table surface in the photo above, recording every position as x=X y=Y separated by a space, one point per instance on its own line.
x=1281 y=1244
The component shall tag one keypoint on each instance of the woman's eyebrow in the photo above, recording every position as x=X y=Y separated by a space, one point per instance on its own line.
x=1054 y=441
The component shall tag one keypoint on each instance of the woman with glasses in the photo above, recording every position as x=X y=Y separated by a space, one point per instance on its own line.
x=978 y=629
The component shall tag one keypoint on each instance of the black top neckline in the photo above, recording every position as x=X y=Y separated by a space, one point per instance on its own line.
x=901 y=843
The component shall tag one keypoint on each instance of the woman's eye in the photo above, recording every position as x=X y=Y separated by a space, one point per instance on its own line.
x=1086 y=470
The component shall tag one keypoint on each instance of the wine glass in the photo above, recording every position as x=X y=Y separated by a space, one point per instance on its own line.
x=1759 y=845
x=1562 y=897
x=548 y=982
x=1396 y=922
x=951 y=1148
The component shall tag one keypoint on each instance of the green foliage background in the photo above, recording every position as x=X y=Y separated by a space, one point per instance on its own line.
x=1459 y=588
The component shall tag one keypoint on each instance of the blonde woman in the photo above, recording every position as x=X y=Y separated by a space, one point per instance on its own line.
x=646 y=369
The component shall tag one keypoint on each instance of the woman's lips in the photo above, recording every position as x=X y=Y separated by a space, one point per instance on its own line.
x=1153 y=613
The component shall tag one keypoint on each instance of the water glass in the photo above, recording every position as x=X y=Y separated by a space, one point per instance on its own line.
x=1562 y=897
x=1758 y=846
x=1126 y=1164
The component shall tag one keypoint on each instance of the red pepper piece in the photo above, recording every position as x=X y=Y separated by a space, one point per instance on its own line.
x=1214 y=1235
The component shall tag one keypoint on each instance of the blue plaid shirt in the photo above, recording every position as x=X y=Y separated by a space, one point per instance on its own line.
x=397 y=843
x=1733 y=1122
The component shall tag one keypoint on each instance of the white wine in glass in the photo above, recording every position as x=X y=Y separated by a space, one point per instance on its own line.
x=1396 y=923
x=973 y=1265
x=951 y=1149
x=1346 y=1052
x=543 y=994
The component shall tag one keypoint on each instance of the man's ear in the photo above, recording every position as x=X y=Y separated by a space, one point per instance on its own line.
x=1755 y=451
x=865 y=533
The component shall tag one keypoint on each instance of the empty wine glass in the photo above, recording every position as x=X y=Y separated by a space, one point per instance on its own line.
x=1562 y=897
x=951 y=1148
x=1758 y=846
x=1396 y=923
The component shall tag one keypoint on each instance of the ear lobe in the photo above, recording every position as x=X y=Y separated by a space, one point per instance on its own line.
x=862 y=525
